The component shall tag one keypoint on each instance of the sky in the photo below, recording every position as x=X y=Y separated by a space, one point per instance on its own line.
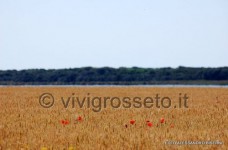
x=54 y=34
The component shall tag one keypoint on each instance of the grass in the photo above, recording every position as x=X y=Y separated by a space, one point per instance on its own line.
x=26 y=125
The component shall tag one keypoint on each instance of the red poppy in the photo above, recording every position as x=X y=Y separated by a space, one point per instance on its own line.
x=67 y=122
x=132 y=121
x=162 y=120
x=63 y=121
x=79 y=118
x=150 y=124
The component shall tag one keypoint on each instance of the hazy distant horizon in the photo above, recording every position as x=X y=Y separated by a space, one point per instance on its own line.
x=59 y=34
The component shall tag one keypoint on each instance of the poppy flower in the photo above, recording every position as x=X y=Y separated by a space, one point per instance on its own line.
x=67 y=122
x=132 y=121
x=162 y=120
x=150 y=124
x=79 y=118
x=63 y=121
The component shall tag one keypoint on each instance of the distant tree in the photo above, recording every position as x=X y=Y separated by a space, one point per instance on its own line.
x=107 y=75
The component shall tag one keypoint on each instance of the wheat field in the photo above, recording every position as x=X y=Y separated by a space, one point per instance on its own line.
x=25 y=124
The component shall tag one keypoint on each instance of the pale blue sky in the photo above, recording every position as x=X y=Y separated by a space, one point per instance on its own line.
x=145 y=33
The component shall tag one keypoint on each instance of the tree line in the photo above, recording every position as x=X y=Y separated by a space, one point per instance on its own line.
x=122 y=75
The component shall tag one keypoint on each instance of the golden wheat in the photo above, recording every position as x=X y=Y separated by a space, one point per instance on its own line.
x=24 y=124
